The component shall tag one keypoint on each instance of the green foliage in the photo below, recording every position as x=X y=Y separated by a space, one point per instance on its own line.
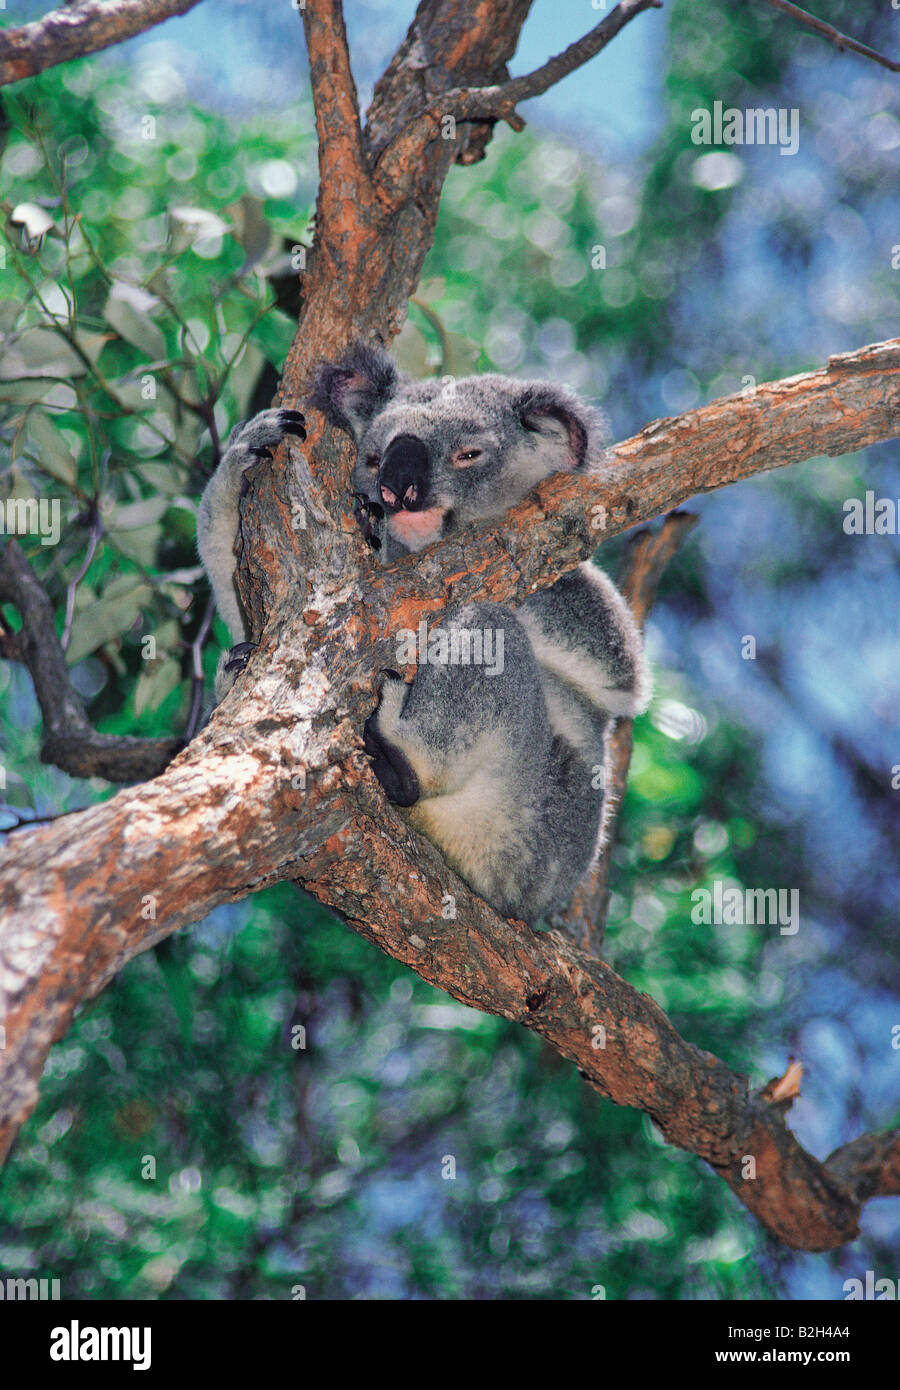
x=138 y=314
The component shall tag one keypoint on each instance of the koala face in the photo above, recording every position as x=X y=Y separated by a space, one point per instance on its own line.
x=438 y=454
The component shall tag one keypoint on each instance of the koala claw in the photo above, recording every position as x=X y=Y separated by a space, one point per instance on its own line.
x=238 y=657
x=293 y=422
x=364 y=510
x=231 y=664
x=266 y=430
x=256 y=438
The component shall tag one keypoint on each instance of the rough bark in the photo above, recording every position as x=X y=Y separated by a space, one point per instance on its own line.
x=277 y=787
x=77 y=29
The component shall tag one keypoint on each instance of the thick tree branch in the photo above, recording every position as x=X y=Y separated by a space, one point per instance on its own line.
x=70 y=741
x=276 y=787
x=448 y=45
x=618 y=1038
x=647 y=557
x=361 y=273
x=77 y=29
x=835 y=36
x=344 y=183
x=851 y=403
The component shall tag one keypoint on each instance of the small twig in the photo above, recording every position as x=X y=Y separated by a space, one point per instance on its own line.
x=399 y=163
x=533 y=84
x=828 y=31
x=70 y=740
x=585 y=918
x=343 y=166
x=438 y=325
x=96 y=529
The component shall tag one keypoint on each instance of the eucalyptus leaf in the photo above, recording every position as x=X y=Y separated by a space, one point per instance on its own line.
x=154 y=683
x=132 y=322
x=135 y=514
x=50 y=448
x=104 y=621
x=41 y=351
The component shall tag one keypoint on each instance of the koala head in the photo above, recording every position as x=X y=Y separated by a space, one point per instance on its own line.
x=440 y=453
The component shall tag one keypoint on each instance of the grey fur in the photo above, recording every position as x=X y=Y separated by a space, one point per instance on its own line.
x=218 y=521
x=504 y=772
x=526 y=430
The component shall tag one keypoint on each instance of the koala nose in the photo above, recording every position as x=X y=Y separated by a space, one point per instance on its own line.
x=403 y=477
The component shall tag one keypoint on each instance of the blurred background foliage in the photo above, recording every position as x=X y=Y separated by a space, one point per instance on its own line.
x=301 y=1097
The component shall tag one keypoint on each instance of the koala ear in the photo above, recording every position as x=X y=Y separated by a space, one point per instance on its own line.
x=563 y=422
x=350 y=392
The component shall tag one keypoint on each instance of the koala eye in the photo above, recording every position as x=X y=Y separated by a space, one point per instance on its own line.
x=463 y=457
x=372 y=460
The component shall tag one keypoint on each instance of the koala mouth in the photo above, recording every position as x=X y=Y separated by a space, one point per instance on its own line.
x=417 y=529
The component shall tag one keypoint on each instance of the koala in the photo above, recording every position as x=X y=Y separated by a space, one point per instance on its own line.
x=497 y=749
x=218 y=522
x=501 y=762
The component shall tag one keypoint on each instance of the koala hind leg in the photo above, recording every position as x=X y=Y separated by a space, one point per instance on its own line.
x=469 y=741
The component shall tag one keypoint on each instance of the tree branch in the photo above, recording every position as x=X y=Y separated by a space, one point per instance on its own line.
x=618 y=1038
x=851 y=403
x=344 y=184
x=868 y=1166
x=70 y=741
x=77 y=29
x=835 y=36
x=276 y=787
x=398 y=164
x=535 y=83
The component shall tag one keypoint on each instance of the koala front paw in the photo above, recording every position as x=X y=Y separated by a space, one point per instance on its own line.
x=390 y=766
x=364 y=510
x=265 y=431
x=231 y=664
